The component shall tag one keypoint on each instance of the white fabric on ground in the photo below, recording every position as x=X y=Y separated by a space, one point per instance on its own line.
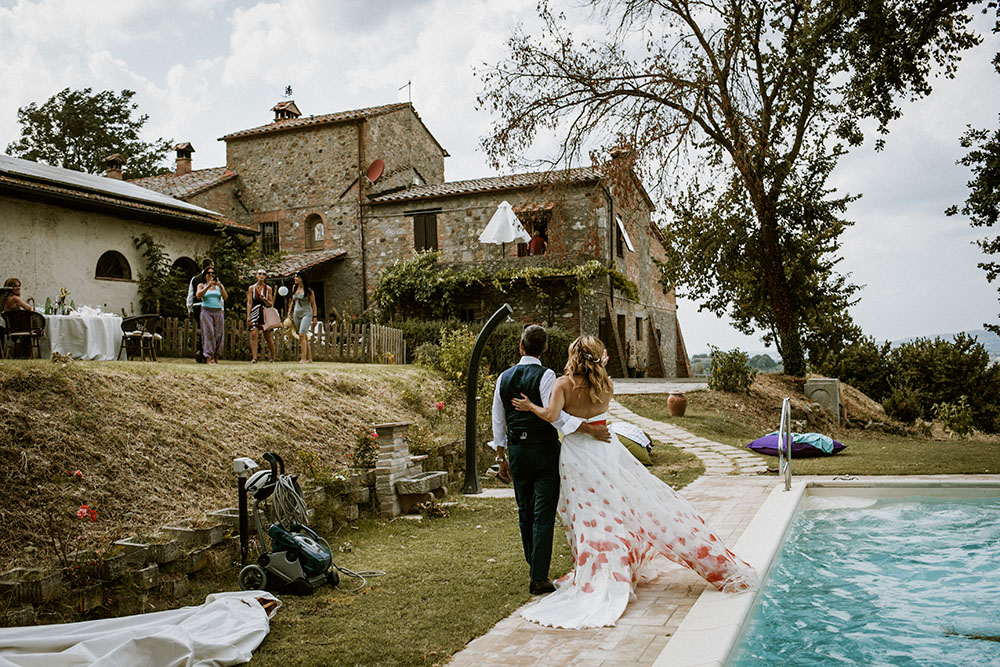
x=223 y=631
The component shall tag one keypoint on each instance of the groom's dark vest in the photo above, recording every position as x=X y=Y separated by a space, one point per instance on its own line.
x=525 y=427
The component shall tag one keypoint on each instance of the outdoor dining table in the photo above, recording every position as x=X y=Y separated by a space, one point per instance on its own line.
x=91 y=337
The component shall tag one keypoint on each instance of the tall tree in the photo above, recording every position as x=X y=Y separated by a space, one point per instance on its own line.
x=750 y=93
x=982 y=206
x=77 y=129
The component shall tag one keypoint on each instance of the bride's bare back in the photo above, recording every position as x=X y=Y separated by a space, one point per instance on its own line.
x=576 y=397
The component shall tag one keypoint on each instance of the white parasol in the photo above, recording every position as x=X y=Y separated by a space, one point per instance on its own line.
x=504 y=227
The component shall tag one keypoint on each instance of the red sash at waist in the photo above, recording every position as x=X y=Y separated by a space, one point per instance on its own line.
x=603 y=422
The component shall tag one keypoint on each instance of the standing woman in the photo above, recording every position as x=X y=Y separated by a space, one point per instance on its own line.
x=302 y=309
x=213 y=295
x=259 y=297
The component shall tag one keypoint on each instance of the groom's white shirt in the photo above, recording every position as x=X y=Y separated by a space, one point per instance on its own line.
x=566 y=423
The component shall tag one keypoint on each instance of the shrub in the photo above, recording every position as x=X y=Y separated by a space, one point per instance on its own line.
x=943 y=371
x=456 y=349
x=904 y=404
x=731 y=371
x=418 y=332
x=428 y=355
x=365 y=454
x=502 y=348
x=956 y=417
x=863 y=364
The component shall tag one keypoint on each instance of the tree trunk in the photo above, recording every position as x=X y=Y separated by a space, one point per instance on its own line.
x=786 y=317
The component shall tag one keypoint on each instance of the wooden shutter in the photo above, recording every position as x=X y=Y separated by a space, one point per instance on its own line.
x=418 y=232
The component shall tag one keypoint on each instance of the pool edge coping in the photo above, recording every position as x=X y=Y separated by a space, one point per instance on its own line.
x=710 y=630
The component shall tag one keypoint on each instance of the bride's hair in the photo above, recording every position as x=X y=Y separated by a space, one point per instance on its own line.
x=584 y=366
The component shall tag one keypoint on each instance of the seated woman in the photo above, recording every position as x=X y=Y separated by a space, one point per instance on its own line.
x=14 y=300
x=619 y=518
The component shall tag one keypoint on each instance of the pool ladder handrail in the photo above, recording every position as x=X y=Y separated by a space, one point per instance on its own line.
x=785 y=443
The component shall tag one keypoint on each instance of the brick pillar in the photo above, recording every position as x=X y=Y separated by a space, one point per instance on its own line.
x=393 y=463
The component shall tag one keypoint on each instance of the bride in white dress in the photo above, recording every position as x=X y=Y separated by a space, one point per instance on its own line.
x=618 y=516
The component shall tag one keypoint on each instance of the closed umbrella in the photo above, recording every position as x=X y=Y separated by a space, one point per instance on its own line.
x=504 y=227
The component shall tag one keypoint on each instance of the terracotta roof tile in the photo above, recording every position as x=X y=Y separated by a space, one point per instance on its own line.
x=186 y=185
x=303 y=261
x=493 y=183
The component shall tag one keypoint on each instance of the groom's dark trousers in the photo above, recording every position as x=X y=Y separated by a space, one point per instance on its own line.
x=533 y=453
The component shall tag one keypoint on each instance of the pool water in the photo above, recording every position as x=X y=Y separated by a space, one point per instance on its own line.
x=912 y=581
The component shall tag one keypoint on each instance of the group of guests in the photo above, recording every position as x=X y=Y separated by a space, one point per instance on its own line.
x=207 y=294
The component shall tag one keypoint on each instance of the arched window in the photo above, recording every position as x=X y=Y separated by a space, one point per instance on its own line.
x=113 y=266
x=314 y=232
x=185 y=267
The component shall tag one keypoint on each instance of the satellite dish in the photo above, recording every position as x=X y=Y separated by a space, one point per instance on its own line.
x=375 y=170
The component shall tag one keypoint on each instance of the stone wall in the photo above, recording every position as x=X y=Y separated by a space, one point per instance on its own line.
x=582 y=227
x=315 y=173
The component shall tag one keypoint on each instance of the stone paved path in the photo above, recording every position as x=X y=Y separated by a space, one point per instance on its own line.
x=727 y=496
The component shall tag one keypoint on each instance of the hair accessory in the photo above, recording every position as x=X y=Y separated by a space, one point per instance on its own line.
x=589 y=357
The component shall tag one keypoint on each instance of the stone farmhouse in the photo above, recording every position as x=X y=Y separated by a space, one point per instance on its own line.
x=67 y=229
x=344 y=195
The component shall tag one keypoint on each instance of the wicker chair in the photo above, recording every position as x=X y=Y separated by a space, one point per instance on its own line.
x=139 y=337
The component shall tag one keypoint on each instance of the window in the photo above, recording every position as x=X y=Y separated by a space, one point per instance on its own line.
x=185 y=267
x=638 y=328
x=425 y=234
x=314 y=232
x=269 y=238
x=536 y=223
x=622 y=241
x=621 y=328
x=112 y=265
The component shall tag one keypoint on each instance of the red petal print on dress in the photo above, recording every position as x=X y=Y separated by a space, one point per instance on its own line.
x=602 y=557
x=587 y=588
x=622 y=578
x=607 y=502
x=582 y=560
x=682 y=541
x=601 y=514
x=591 y=490
x=714 y=576
x=619 y=521
x=607 y=529
x=712 y=538
x=581 y=538
x=703 y=551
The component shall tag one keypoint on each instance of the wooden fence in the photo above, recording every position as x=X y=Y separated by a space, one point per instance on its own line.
x=360 y=343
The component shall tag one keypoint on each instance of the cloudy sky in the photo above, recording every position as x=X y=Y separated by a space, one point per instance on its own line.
x=204 y=68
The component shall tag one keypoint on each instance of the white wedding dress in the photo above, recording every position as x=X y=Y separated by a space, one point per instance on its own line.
x=619 y=518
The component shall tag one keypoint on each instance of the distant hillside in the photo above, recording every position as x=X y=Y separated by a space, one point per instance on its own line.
x=990 y=340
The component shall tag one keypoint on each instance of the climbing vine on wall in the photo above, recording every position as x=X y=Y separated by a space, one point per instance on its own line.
x=424 y=289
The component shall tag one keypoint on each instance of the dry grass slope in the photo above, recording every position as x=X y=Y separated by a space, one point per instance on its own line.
x=155 y=442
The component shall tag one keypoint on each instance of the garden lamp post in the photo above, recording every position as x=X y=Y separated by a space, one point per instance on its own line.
x=472 y=484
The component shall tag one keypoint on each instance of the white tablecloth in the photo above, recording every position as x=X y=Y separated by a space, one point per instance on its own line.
x=93 y=338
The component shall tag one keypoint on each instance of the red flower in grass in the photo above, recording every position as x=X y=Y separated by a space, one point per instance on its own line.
x=440 y=406
x=86 y=513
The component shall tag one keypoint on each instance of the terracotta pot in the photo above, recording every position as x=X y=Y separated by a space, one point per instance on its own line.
x=677 y=404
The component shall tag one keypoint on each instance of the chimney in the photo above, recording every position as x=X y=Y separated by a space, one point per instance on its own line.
x=285 y=111
x=184 y=151
x=113 y=166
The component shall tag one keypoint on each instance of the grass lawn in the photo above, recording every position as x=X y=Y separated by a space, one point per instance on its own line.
x=866 y=453
x=448 y=580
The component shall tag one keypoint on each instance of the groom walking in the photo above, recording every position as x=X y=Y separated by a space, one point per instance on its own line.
x=528 y=451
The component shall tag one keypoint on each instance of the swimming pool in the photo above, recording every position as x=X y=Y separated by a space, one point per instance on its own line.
x=932 y=590
x=888 y=581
